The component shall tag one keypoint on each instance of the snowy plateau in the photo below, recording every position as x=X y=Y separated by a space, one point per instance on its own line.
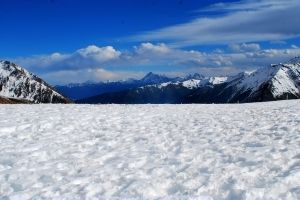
x=217 y=151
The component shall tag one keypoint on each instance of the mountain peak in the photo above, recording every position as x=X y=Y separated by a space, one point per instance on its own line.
x=18 y=83
x=5 y=62
x=196 y=76
x=154 y=78
x=8 y=66
x=151 y=74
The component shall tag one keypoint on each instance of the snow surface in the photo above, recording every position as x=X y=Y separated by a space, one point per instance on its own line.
x=237 y=151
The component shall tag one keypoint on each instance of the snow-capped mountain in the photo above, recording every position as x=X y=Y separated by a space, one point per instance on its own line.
x=152 y=78
x=274 y=82
x=284 y=80
x=18 y=84
x=168 y=92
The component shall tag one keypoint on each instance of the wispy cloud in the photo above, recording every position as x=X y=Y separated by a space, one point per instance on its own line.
x=246 y=21
x=249 y=5
x=244 y=47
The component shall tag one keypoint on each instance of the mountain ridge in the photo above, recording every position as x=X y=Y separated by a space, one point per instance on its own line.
x=19 y=85
x=78 y=91
x=274 y=82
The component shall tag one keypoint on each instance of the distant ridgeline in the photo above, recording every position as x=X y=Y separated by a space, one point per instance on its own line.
x=274 y=82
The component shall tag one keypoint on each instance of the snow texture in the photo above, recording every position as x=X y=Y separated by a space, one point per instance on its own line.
x=237 y=151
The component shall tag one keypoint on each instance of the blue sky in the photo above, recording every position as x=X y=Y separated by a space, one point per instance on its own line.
x=45 y=26
x=67 y=41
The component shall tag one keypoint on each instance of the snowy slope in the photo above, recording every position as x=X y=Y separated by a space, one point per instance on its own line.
x=287 y=80
x=192 y=83
x=16 y=82
x=237 y=151
x=273 y=82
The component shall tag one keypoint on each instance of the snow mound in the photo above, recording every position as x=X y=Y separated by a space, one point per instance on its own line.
x=241 y=151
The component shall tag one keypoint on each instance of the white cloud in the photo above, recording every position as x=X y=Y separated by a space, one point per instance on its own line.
x=243 y=5
x=107 y=63
x=247 y=21
x=159 y=54
x=99 y=54
x=90 y=57
x=244 y=47
x=151 y=48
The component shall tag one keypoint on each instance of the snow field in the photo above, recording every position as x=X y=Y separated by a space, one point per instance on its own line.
x=238 y=151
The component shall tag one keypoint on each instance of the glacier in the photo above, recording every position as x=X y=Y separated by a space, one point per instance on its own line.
x=216 y=151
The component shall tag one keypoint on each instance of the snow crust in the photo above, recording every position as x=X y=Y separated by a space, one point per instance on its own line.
x=237 y=151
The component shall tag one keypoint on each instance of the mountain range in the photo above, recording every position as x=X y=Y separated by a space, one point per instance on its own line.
x=273 y=82
x=77 y=91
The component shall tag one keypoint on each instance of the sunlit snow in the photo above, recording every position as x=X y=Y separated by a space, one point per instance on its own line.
x=241 y=151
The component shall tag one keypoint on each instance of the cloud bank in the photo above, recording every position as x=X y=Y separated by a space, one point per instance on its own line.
x=107 y=63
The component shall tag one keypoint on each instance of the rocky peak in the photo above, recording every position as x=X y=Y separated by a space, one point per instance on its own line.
x=18 y=83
